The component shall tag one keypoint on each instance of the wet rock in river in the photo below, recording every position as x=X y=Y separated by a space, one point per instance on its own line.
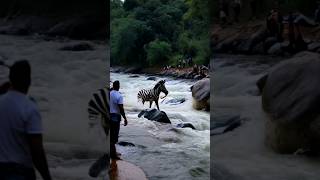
x=82 y=46
x=224 y=123
x=152 y=78
x=269 y=42
x=134 y=76
x=155 y=115
x=276 y=49
x=201 y=94
x=176 y=101
x=185 y=125
x=314 y=46
x=124 y=143
x=291 y=98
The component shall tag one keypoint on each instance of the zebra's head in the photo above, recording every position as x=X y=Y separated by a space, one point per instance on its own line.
x=161 y=87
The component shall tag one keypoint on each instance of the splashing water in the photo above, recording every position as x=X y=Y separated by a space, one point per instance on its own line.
x=164 y=151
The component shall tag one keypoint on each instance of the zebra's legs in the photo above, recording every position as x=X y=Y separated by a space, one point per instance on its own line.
x=151 y=103
x=157 y=103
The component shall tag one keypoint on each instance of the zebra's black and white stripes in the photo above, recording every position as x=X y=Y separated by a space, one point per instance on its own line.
x=153 y=94
x=98 y=108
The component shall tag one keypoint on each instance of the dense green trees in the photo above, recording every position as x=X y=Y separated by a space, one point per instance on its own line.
x=156 y=32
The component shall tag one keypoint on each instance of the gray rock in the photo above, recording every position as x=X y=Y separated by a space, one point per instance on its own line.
x=152 y=78
x=291 y=98
x=185 y=125
x=155 y=115
x=201 y=94
x=314 y=46
x=124 y=143
x=275 y=49
x=176 y=101
x=270 y=41
x=81 y=46
x=224 y=123
x=134 y=76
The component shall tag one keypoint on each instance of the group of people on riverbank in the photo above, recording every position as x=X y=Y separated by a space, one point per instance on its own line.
x=290 y=27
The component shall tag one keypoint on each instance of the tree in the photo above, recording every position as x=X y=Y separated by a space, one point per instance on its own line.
x=130 y=4
x=158 y=52
x=128 y=37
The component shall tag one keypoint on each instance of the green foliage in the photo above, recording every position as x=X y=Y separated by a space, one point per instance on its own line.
x=128 y=37
x=156 y=32
x=158 y=52
x=130 y=4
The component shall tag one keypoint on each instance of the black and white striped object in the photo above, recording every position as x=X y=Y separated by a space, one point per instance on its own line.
x=98 y=108
x=153 y=94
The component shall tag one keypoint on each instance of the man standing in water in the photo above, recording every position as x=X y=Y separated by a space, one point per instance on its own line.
x=21 y=145
x=116 y=111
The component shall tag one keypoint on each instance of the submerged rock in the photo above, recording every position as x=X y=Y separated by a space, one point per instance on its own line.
x=276 y=49
x=152 y=78
x=134 y=76
x=185 y=125
x=176 y=101
x=201 y=94
x=224 y=123
x=314 y=46
x=155 y=115
x=124 y=143
x=291 y=98
x=82 y=46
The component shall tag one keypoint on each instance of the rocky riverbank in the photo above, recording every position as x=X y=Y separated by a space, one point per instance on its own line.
x=253 y=38
x=179 y=73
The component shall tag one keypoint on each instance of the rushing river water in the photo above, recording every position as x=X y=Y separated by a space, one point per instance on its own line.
x=241 y=154
x=164 y=151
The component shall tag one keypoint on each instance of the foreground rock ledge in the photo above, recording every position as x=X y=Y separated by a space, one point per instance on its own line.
x=291 y=98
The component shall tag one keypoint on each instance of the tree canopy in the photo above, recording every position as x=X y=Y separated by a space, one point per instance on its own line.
x=155 y=32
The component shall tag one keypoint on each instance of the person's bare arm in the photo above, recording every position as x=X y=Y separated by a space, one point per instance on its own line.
x=38 y=155
x=123 y=114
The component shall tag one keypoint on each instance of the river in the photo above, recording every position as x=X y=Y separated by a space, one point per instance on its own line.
x=241 y=154
x=164 y=151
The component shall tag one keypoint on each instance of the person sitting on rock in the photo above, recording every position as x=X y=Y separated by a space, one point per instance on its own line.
x=275 y=25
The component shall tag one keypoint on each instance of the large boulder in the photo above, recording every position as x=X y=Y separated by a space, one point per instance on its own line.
x=201 y=94
x=155 y=115
x=291 y=99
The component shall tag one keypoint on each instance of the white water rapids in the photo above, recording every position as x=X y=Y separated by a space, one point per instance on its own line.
x=164 y=151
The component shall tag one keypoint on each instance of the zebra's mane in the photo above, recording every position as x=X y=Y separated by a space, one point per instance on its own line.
x=159 y=84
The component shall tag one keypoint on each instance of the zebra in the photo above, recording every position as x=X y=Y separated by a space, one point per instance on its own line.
x=153 y=94
x=98 y=108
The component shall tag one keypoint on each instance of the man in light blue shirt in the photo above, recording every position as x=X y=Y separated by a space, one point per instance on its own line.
x=116 y=111
x=21 y=146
